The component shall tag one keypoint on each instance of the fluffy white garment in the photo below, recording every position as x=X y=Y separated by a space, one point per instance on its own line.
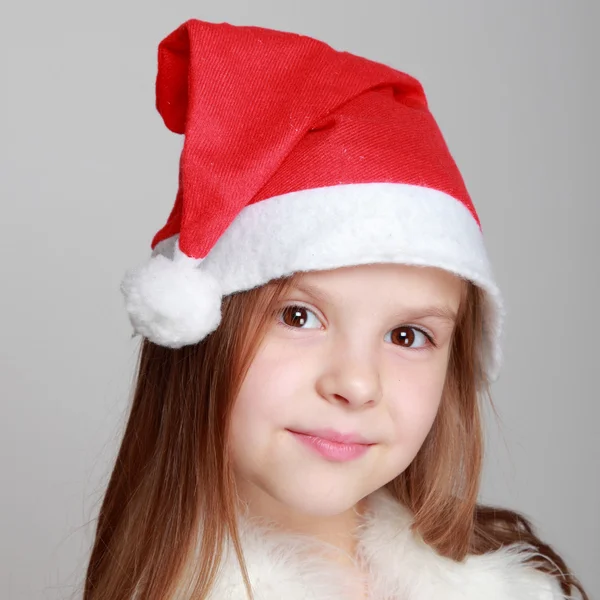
x=400 y=566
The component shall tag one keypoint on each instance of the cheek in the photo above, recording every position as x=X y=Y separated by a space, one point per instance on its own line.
x=267 y=400
x=414 y=405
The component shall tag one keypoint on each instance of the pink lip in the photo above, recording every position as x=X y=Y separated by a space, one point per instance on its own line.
x=333 y=445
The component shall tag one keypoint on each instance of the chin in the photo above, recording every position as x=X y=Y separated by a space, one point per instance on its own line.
x=317 y=498
x=320 y=505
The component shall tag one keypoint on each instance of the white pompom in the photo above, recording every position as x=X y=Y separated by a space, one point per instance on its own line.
x=172 y=303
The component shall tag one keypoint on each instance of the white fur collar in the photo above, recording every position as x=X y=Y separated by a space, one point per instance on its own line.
x=401 y=567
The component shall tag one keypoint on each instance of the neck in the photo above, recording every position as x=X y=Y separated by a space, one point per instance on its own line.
x=336 y=531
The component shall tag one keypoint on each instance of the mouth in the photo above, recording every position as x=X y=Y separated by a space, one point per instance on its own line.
x=333 y=445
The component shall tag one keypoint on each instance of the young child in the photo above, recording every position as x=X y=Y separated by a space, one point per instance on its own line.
x=320 y=323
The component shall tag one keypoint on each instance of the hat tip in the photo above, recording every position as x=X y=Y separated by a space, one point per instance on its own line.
x=172 y=303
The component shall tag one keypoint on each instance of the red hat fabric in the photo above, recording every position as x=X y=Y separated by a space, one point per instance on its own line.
x=296 y=157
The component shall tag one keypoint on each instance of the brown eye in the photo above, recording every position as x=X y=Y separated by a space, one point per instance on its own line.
x=298 y=317
x=409 y=337
x=403 y=336
x=294 y=316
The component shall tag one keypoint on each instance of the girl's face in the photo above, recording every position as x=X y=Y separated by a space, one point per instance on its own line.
x=345 y=386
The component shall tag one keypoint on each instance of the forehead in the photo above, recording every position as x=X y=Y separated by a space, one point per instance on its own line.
x=382 y=281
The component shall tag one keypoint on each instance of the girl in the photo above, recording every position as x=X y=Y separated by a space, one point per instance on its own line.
x=306 y=421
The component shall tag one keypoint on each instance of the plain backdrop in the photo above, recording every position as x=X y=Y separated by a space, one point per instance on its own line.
x=89 y=174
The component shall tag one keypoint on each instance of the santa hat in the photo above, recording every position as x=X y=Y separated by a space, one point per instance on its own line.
x=296 y=157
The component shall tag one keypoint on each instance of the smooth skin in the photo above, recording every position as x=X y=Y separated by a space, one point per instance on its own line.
x=361 y=350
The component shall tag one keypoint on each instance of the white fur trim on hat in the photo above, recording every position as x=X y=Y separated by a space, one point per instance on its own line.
x=327 y=228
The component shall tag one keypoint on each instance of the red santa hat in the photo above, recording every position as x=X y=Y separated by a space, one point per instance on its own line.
x=296 y=157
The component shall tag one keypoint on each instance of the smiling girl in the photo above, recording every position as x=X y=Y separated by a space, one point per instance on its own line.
x=321 y=326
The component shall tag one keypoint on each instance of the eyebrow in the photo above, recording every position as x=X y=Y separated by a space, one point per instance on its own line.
x=438 y=311
x=315 y=292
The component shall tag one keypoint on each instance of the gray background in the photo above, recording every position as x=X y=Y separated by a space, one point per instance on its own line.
x=89 y=173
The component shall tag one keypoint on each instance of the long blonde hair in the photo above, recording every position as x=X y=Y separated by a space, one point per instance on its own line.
x=173 y=477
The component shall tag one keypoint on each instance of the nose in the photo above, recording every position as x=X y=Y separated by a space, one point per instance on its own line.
x=351 y=377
